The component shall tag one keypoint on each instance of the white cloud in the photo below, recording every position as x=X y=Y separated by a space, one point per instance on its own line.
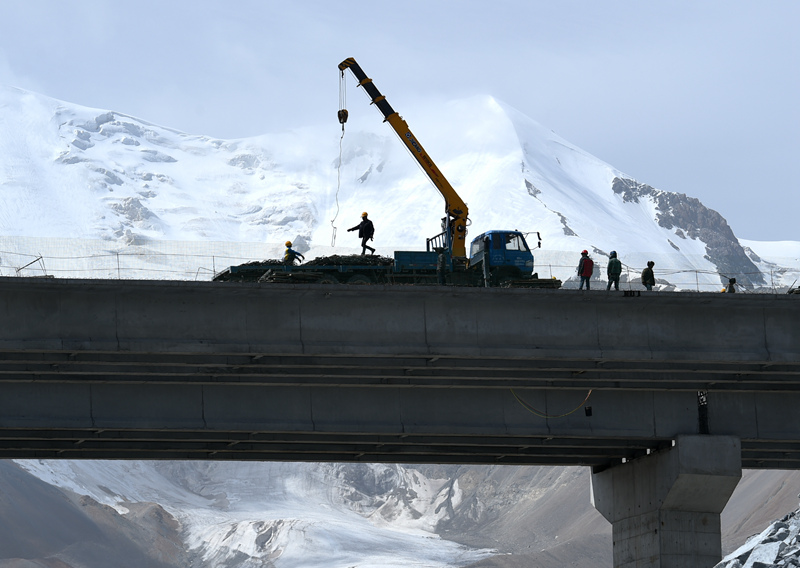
x=8 y=76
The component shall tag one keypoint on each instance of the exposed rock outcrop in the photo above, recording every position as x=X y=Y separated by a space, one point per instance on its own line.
x=689 y=218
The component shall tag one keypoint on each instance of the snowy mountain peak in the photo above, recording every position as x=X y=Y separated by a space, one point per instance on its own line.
x=73 y=171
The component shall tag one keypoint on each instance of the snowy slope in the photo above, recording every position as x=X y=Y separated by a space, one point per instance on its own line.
x=68 y=171
x=778 y=261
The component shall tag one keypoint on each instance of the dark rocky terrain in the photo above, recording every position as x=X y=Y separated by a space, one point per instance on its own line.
x=42 y=526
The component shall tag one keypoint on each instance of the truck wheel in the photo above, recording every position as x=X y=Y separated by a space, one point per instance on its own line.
x=359 y=279
x=505 y=281
x=504 y=277
x=327 y=279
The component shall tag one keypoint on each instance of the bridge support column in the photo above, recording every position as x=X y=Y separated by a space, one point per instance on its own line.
x=665 y=507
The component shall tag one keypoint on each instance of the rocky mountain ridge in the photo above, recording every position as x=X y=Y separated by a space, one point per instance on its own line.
x=690 y=219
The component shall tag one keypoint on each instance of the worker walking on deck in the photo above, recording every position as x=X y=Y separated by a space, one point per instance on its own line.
x=648 y=278
x=613 y=271
x=365 y=230
x=291 y=255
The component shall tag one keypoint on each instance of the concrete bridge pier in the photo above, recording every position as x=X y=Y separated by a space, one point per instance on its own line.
x=665 y=507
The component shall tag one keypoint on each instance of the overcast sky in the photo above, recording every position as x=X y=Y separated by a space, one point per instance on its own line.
x=687 y=96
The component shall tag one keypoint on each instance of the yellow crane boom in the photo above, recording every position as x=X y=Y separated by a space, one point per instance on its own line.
x=455 y=208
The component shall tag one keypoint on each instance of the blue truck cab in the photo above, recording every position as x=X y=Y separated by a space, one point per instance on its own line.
x=506 y=253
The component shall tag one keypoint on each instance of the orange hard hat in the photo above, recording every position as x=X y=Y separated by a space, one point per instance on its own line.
x=288 y=243
x=364 y=214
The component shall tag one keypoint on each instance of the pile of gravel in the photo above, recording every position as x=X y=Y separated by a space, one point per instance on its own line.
x=269 y=261
x=778 y=546
x=350 y=259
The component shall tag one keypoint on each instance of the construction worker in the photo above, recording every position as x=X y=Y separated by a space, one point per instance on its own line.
x=614 y=270
x=291 y=255
x=365 y=230
x=648 y=278
x=585 y=269
x=731 y=287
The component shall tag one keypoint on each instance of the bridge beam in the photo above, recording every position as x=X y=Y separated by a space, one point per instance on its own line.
x=665 y=507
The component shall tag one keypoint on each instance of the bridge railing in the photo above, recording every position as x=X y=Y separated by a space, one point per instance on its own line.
x=200 y=260
x=148 y=260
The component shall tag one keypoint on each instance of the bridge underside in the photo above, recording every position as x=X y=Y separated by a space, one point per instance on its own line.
x=409 y=409
x=132 y=444
x=153 y=370
x=313 y=447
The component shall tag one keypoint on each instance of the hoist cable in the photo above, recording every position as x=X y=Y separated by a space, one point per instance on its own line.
x=338 y=185
x=342 y=114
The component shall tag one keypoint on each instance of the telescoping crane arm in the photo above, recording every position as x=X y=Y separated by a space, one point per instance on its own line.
x=455 y=207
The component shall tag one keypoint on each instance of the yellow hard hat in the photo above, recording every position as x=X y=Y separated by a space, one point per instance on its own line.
x=364 y=214
x=288 y=243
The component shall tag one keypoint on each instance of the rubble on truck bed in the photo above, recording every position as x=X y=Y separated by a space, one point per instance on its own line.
x=269 y=261
x=350 y=259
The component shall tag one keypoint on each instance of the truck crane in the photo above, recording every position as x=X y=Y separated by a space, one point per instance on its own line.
x=496 y=258
x=456 y=211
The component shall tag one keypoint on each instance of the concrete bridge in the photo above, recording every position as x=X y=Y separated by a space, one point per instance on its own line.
x=665 y=395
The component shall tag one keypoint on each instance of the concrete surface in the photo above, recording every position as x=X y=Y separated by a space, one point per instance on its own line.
x=665 y=507
x=117 y=369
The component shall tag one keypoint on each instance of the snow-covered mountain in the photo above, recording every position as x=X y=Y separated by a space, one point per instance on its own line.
x=282 y=514
x=91 y=514
x=80 y=176
x=74 y=172
x=210 y=514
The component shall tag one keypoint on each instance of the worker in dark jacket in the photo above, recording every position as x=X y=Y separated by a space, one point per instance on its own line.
x=648 y=278
x=613 y=271
x=585 y=269
x=365 y=231
x=291 y=255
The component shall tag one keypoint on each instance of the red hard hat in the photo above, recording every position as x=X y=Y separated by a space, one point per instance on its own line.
x=584 y=252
